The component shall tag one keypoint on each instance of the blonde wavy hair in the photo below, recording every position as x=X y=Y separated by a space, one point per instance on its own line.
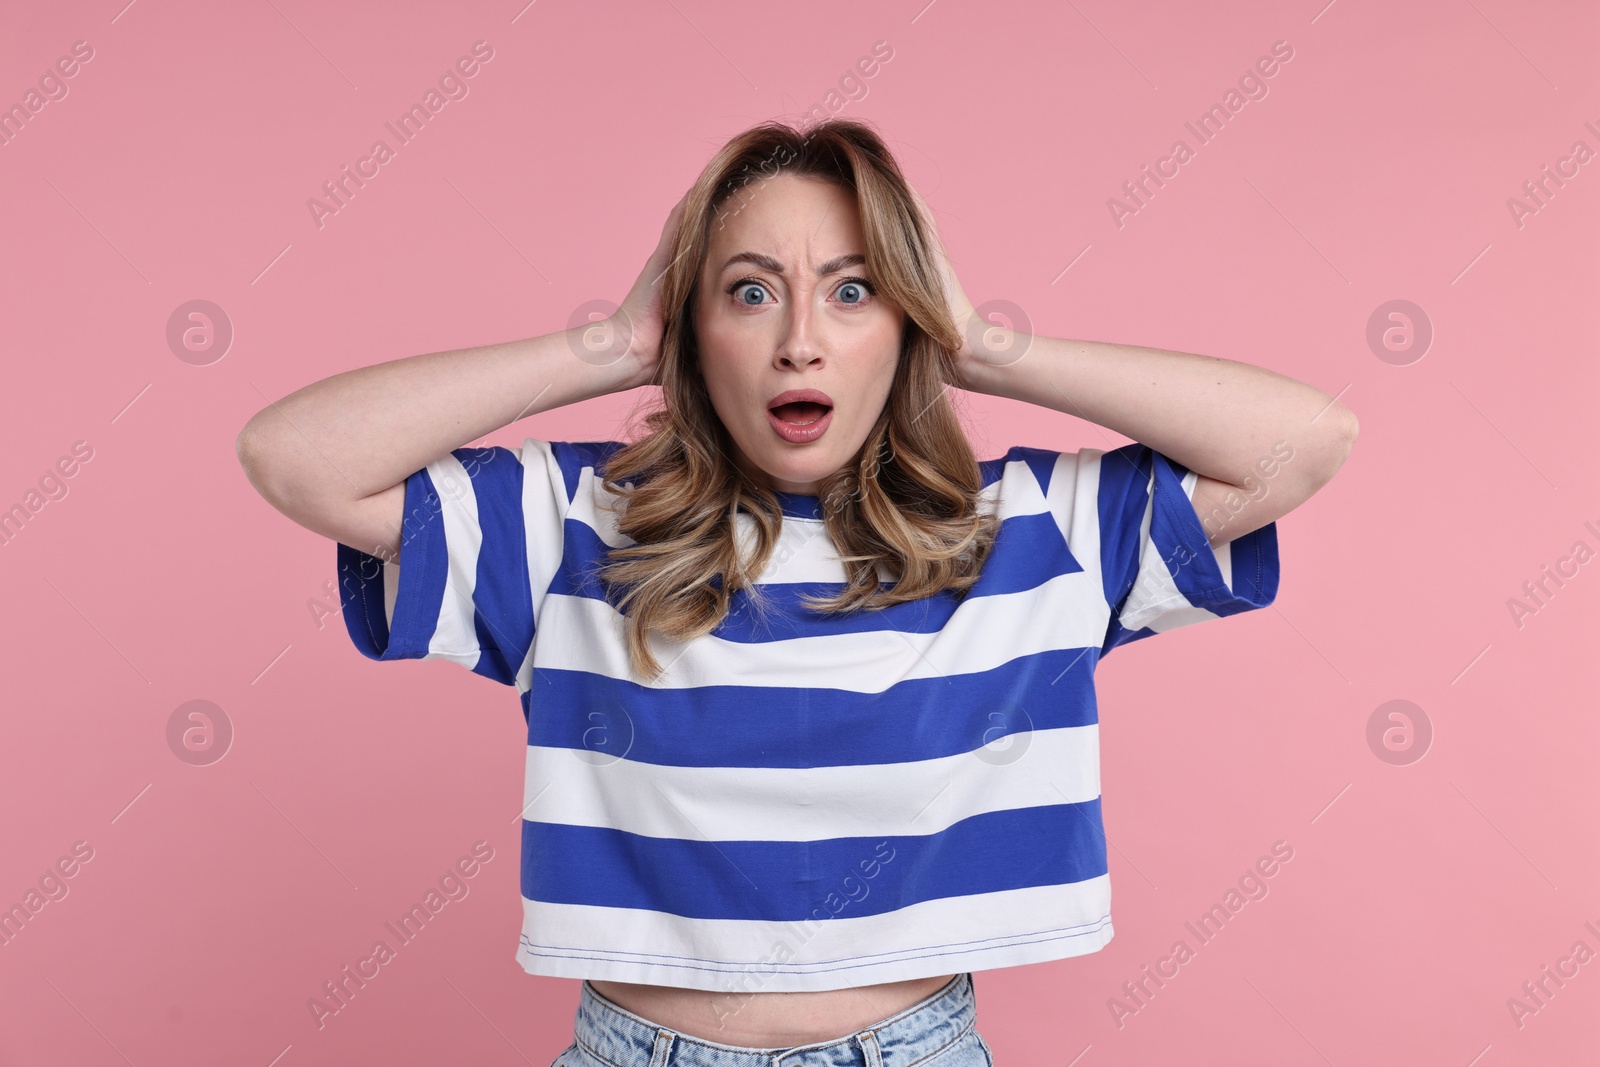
x=910 y=499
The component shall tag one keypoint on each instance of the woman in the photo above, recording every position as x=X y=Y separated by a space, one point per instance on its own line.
x=812 y=731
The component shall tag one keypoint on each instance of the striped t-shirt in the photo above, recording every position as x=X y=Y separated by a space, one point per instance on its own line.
x=804 y=801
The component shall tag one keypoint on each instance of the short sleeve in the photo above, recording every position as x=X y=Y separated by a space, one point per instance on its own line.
x=480 y=537
x=1131 y=510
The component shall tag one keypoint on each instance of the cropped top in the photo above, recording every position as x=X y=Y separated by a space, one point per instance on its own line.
x=804 y=801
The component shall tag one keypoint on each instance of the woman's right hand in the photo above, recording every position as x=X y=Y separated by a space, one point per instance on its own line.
x=639 y=319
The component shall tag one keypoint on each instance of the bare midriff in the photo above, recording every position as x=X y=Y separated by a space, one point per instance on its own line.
x=769 y=1020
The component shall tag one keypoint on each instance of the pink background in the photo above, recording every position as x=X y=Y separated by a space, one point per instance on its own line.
x=219 y=898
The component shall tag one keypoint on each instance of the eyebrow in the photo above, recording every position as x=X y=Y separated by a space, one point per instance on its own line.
x=766 y=262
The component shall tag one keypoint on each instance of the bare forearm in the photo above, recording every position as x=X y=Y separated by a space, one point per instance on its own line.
x=1215 y=416
x=364 y=430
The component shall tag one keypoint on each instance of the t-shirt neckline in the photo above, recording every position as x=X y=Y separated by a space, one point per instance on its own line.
x=799 y=505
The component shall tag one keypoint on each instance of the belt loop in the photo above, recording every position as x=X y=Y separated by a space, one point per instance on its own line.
x=663 y=1045
x=872 y=1055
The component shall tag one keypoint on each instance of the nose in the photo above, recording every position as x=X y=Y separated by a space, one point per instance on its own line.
x=798 y=346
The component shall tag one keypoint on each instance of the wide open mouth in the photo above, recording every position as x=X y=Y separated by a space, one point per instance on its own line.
x=800 y=412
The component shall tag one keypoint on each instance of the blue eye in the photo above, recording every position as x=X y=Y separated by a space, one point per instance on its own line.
x=864 y=292
x=852 y=291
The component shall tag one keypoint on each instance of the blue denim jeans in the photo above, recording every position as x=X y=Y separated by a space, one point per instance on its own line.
x=938 y=1032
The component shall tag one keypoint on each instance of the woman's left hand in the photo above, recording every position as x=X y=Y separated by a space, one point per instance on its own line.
x=961 y=310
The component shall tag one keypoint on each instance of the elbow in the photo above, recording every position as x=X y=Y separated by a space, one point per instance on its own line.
x=242 y=446
x=255 y=459
x=1349 y=429
x=247 y=447
x=1331 y=451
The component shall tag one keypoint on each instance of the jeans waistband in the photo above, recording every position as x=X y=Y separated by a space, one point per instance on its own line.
x=905 y=1038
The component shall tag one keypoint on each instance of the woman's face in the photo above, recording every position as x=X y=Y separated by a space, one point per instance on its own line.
x=785 y=304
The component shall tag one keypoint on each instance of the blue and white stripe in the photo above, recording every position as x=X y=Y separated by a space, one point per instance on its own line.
x=803 y=801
